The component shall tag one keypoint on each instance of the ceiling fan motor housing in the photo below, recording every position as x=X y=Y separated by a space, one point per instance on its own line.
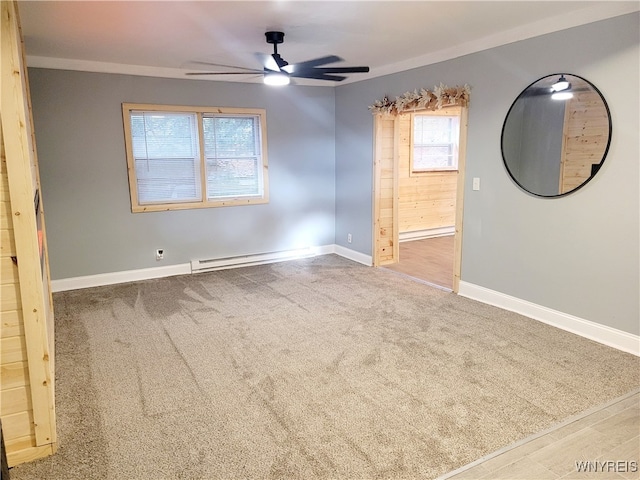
x=274 y=37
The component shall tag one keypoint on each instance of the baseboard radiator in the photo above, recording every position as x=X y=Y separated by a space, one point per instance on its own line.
x=209 y=265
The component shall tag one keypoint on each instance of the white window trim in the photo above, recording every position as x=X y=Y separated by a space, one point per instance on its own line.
x=136 y=207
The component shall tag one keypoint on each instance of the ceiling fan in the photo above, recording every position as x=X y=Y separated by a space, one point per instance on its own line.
x=277 y=71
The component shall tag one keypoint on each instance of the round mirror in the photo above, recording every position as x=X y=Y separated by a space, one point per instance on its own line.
x=556 y=135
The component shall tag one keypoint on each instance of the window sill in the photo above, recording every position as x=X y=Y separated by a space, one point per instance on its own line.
x=230 y=202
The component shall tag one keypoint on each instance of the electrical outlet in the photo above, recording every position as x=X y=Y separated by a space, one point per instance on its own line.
x=159 y=254
x=349 y=238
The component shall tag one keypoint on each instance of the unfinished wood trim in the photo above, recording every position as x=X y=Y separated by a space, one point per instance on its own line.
x=21 y=165
x=46 y=282
x=203 y=158
x=396 y=191
x=29 y=454
x=462 y=156
x=265 y=157
x=384 y=195
x=131 y=172
x=148 y=107
x=377 y=174
x=189 y=205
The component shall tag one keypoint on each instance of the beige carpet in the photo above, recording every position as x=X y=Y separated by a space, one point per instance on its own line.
x=317 y=368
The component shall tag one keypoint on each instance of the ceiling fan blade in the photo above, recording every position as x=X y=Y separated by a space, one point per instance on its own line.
x=536 y=91
x=225 y=66
x=250 y=72
x=314 y=63
x=267 y=61
x=341 y=69
x=312 y=74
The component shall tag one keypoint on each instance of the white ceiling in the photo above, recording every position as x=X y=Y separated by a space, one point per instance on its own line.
x=164 y=38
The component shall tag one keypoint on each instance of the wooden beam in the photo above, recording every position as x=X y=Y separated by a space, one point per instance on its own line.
x=17 y=138
x=462 y=156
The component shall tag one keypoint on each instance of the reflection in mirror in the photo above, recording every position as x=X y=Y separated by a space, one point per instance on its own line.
x=556 y=135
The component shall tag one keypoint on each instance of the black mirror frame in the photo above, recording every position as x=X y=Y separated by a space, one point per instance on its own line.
x=604 y=154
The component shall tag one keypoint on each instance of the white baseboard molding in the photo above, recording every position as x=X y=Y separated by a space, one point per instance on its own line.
x=353 y=255
x=88 y=281
x=429 y=233
x=609 y=336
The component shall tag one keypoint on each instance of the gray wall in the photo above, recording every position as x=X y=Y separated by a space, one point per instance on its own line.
x=80 y=141
x=577 y=254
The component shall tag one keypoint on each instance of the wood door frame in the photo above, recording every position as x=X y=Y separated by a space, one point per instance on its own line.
x=378 y=166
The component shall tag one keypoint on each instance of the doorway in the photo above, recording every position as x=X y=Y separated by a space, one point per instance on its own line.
x=418 y=195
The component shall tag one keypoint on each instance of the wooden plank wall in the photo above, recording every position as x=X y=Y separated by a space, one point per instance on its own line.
x=427 y=200
x=26 y=379
x=15 y=393
x=586 y=133
x=386 y=188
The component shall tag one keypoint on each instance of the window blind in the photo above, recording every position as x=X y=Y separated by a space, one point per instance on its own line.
x=232 y=146
x=166 y=157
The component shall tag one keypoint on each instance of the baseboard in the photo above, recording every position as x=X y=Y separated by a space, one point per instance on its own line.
x=88 y=281
x=353 y=255
x=429 y=233
x=609 y=336
x=30 y=454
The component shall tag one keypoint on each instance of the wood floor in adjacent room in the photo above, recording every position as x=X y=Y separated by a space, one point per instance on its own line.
x=601 y=443
x=430 y=260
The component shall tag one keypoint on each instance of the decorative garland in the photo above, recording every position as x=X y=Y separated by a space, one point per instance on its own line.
x=441 y=96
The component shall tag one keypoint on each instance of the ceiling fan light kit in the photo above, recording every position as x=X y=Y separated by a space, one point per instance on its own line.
x=276 y=79
x=561 y=84
x=561 y=89
x=277 y=71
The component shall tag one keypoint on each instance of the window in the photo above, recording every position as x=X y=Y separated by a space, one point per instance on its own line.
x=186 y=157
x=435 y=141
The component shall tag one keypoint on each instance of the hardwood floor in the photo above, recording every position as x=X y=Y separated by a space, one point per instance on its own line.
x=600 y=443
x=430 y=260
